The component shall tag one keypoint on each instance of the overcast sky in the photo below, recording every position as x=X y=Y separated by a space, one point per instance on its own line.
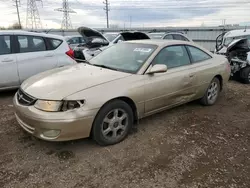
x=145 y=13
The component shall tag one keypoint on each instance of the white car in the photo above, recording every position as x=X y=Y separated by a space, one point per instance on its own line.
x=169 y=36
x=235 y=45
x=24 y=54
x=96 y=42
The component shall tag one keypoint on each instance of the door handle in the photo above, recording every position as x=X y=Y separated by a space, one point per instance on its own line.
x=48 y=55
x=7 y=60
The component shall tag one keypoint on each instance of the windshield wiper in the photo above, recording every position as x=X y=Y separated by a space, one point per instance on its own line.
x=106 y=67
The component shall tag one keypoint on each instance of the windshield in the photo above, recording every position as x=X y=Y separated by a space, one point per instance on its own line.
x=156 y=35
x=228 y=40
x=110 y=36
x=125 y=57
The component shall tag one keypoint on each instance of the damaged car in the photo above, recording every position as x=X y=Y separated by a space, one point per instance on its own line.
x=96 y=42
x=106 y=95
x=235 y=45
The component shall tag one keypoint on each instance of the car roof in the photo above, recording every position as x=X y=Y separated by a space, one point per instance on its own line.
x=21 y=32
x=71 y=36
x=236 y=33
x=158 y=42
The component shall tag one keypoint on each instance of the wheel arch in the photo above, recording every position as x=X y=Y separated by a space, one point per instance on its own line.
x=221 y=80
x=127 y=100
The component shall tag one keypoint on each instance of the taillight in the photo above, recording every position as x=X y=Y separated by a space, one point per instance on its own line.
x=70 y=53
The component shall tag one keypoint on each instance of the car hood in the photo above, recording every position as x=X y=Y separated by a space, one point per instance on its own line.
x=57 y=84
x=238 y=44
x=88 y=34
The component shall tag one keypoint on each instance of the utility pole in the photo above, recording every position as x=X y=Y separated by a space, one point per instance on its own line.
x=130 y=21
x=66 y=22
x=17 y=4
x=33 y=18
x=107 y=9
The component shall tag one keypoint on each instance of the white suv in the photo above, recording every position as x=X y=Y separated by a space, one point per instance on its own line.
x=24 y=54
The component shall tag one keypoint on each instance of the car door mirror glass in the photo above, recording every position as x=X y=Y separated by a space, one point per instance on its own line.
x=158 y=68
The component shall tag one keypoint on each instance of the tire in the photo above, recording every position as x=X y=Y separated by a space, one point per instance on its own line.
x=245 y=75
x=109 y=127
x=207 y=100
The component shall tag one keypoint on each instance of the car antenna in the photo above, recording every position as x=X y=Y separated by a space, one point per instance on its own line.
x=245 y=29
x=48 y=31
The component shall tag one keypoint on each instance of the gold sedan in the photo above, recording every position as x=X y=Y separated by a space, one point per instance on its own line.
x=126 y=82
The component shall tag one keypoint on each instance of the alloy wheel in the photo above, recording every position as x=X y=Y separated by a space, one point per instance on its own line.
x=213 y=92
x=115 y=124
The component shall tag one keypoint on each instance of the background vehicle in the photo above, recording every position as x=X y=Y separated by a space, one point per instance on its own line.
x=169 y=36
x=96 y=42
x=23 y=54
x=235 y=45
x=75 y=41
x=125 y=82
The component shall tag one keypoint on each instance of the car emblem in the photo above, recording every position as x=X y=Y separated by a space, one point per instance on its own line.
x=20 y=96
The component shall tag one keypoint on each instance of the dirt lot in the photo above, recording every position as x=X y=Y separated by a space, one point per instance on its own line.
x=188 y=147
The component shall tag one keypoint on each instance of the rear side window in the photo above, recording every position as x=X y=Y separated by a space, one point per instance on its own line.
x=169 y=37
x=54 y=43
x=180 y=37
x=5 y=45
x=198 y=55
x=31 y=44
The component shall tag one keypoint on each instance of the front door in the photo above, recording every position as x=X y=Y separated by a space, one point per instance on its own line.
x=8 y=65
x=176 y=86
x=33 y=56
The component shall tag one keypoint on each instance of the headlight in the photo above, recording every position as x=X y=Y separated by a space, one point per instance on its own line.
x=56 y=106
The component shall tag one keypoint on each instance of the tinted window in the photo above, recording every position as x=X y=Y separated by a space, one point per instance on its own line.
x=31 y=44
x=82 y=40
x=180 y=37
x=126 y=57
x=168 y=37
x=173 y=56
x=74 y=40
x=4 y=45
x=198 y=55
x=55 y=43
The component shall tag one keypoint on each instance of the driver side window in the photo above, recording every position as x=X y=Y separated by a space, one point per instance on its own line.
x=173 y=56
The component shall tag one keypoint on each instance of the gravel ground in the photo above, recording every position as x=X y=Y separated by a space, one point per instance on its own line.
x=188 y=147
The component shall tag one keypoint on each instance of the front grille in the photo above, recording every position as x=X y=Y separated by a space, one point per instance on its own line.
x=25 y=99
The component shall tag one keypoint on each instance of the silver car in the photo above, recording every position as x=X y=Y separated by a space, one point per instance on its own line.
x=124 y=83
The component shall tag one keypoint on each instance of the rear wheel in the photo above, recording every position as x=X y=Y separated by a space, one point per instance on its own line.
x=113 y=123
x=212 y=93
x=245 y=75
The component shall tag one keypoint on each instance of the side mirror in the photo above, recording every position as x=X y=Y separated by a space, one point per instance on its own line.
x=158 y=68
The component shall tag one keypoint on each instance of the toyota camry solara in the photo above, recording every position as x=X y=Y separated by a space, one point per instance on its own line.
x=104 y=97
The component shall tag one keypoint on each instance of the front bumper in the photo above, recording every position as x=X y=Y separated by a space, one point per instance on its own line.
x=54 y=126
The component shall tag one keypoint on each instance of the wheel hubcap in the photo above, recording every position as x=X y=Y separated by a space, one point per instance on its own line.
x=212 y=92
x=114 y=124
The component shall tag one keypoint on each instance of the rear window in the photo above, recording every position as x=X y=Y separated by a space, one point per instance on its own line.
x=55 y=43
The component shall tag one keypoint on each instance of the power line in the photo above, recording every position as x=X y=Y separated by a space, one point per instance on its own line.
x=106 y=8
x=33 y=18
x=66 y=22
x=17 y=4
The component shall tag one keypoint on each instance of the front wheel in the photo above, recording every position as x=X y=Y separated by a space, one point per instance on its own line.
x=245 y=75
x=212 y=93
x=113 y=123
